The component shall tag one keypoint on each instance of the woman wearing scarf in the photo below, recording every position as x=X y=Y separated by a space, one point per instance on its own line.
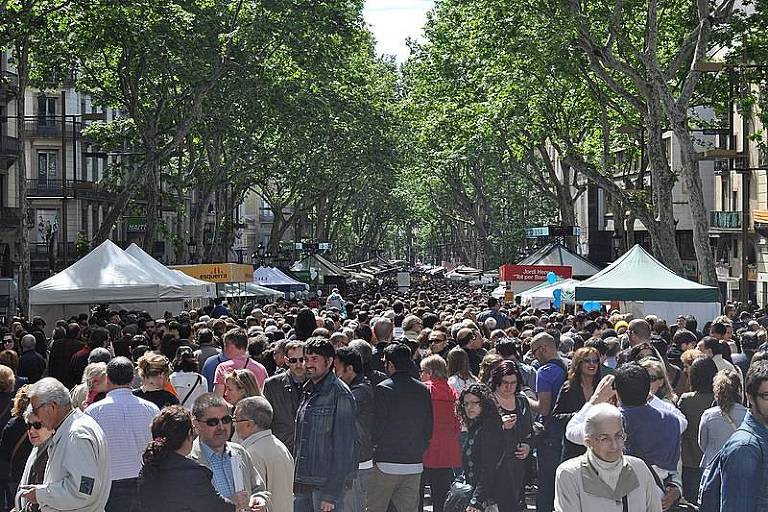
x=604 y=479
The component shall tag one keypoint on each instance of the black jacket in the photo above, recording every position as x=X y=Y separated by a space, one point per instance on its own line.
x=570 y=400
x=12 y=464
x=62 y=351
x=363 y=393
x=179 y=484
x=31 y=366
x=285 y=396
x=481 y=458
x=402 y=424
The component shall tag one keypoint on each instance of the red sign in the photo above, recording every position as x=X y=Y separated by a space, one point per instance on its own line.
x=533 y=273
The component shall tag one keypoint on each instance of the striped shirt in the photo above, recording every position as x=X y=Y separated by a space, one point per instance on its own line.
x=125 y=420
x=221 y=466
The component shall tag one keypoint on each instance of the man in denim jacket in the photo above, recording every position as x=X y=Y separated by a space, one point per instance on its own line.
x=325 y=434
x=744 y=457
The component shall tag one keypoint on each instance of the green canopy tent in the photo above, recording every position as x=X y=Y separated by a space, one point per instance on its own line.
x=648 y=287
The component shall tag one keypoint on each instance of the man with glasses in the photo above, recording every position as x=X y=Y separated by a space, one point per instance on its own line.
x=232 y=467
x=77 y=475
x=743 y=461
x=653 y=435
x=284 y=392
x=273 y=461
x=125 y=420
x=549 y=379
x=325 y=434
x=604 y=477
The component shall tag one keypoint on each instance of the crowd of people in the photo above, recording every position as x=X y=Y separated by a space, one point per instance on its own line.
x=384 y=401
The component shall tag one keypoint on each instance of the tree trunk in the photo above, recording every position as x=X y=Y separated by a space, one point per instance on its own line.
x=699 y=214
x=132 y=183
x=25 y=274
x=152 y=173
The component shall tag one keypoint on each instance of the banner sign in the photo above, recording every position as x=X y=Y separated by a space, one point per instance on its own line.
x=533 y=273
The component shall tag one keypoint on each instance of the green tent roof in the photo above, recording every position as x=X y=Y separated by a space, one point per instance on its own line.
x=638 y=276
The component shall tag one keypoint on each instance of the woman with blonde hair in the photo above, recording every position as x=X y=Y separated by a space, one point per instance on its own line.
x=154 y=370
x=487 y=365
x=660 y=385
x=239 y=384
x=94 y=384
x=719 y=422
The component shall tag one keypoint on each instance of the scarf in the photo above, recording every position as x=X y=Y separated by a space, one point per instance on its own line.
x=609 y=472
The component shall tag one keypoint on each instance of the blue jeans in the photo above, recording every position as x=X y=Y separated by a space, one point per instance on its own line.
x=356 y=493
x=310 y=502
x=548 y=458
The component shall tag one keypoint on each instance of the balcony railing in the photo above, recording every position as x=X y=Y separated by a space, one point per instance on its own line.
x=725 y=219
x=47 y=127
x=9 y=217
x=69 y=189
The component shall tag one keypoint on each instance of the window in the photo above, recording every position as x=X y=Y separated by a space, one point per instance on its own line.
x=47 y=166
x=96 y=221
x=46 y=111
x=84 y=221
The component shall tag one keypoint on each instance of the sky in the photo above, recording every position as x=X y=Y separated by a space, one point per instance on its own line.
x=393 y=21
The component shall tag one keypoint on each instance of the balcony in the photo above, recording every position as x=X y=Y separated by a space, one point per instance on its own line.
x=91 y=191
x=9 y=83
x=47 y=128
x=725 y=220
x=10 y=149
x=9 y=218
x=61 y=189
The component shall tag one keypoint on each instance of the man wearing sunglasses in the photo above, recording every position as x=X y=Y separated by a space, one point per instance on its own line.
x=284 y=392
x=232 y=466
x=78 y=475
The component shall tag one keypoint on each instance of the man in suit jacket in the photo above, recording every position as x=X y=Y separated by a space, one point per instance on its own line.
x=232 y=467
x=272 y=459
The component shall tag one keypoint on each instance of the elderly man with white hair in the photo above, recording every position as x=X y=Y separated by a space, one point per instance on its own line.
x=604 y=479
x=77 y=476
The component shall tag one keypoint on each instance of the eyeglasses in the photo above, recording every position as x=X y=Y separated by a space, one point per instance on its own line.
x=37 y=425
x=294 y=360
x=606 y=438
x=36 y=409
x=471 y=403
x=214 y=422
x=435 y=341
x=590 y=360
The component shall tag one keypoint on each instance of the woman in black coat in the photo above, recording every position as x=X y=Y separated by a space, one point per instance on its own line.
x=583 y=376
x=481 y=455
x=169 y=481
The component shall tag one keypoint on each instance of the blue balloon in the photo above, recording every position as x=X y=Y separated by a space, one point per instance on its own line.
x=591 y=306
x=557 y=293
x=556 y=304
x=551 y=277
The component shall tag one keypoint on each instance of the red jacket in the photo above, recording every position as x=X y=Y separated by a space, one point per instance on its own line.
x=443 y=450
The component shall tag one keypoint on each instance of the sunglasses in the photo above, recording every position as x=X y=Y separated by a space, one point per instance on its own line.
x=590 y=360
x=37 y=425
x=294 y=360
x=214 y=422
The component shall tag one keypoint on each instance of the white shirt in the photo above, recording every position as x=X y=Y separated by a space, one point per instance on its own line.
x=188 y=388
x=125 y=420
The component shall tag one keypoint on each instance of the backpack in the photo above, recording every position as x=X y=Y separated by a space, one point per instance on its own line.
x=711 y=480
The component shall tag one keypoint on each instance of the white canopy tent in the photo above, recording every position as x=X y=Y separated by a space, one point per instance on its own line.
x=542 y=296
x=272 y=277
x=105 y=275
x=193 y=288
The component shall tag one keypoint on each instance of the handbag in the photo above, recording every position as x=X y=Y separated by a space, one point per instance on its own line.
x=458 y=497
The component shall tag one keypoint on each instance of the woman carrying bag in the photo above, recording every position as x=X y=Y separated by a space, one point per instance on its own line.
x=480 y=454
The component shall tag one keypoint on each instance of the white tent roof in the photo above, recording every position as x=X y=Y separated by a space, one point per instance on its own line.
x=248 y=290
x=193 y=288
x=106 y=274
x=545 y=291
x=271 y=276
